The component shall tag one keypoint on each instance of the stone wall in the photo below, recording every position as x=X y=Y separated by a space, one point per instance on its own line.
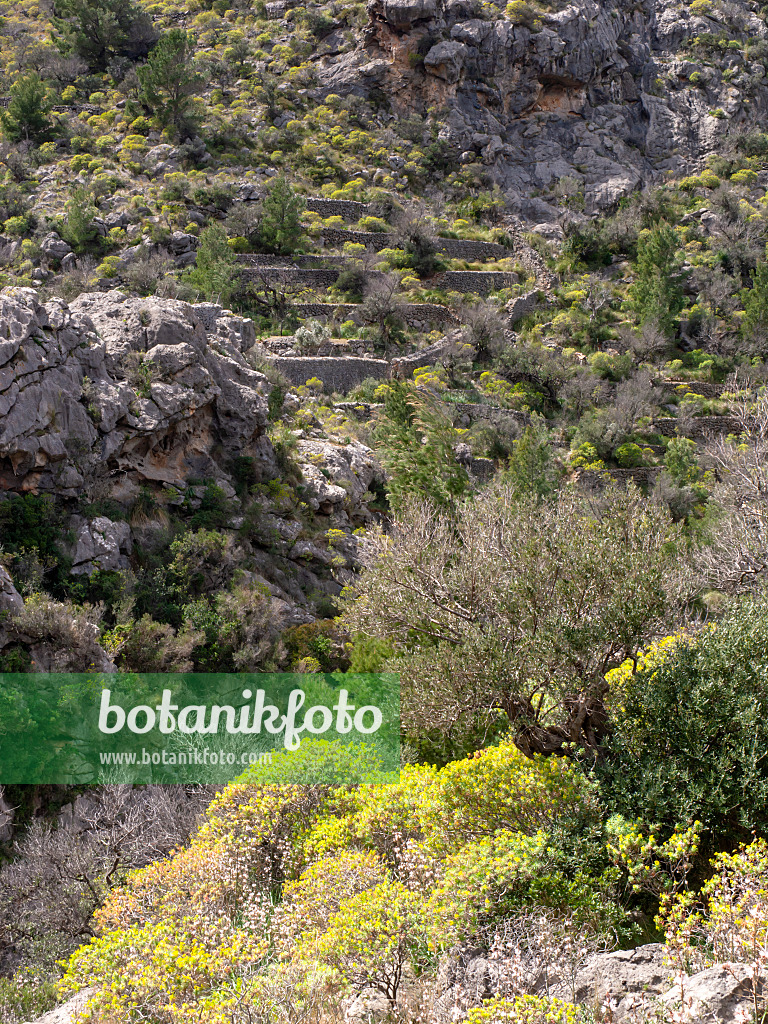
x=700 y=426
x=403 y=367
x=345 y=208
x=337 y=373
x=418 y=315
x=704 y=388
x=641 y=476
x=456 y=248
x=470 y=412
x=260 y=259
x=312 y=277
x=479 y=282
x=521 y=307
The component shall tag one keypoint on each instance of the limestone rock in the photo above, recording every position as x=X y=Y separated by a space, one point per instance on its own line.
x=10 y=599
x=369 y=1007
x=6 y=818
x=124 y=391
x=597 y=93
x=401 y=14
x=445 y=60
x=68 y=1012
x=623 y=976
x=337 y=474
x=54 y=246
x=100 y=544
x=721 y=992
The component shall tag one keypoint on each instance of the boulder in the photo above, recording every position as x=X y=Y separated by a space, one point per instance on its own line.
x=10 y=599
x=623 y=977
x=68 y=1012
x=337 y=475
x=54 y=246
x=722 y=993
x=100 y=544
x=445 y=60
x=124 y=391
x=401 y=14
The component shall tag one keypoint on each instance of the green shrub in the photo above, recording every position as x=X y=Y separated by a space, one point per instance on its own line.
x=520 y=12
x=527 y=1010
x=690 y=733
x=629 y=455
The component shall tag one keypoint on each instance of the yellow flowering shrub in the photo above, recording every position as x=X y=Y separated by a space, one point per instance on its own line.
x=525 y=1010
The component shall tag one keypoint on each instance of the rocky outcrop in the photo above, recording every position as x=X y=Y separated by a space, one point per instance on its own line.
x=337 y=476
x=99 y=544
x=10 y=599
x=68 y=1012
x=597 y=92
x=721 y=993
x=129 y=392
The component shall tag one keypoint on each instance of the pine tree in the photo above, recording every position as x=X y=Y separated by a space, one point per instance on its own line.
x=168 y=81
x=656 y=295
x=416 y=440
x=754 y=325
x=214 y=272
x=281 y=230
x=26 y=117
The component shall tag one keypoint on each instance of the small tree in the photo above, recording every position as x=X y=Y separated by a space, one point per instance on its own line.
x=100 y=30
x=518 y=606
x=416 y=441
x=168 y=81
x=26 y=117
x=80 y=211
x=281 y=230
x=656 y=294
x=373 y=937
x=382 y=310
x=754 y=326
x=214 y=272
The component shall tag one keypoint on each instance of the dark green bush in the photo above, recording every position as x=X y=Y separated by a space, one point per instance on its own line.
x=689 y=737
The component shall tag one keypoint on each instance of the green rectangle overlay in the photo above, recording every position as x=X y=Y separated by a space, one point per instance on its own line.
x=93 y=728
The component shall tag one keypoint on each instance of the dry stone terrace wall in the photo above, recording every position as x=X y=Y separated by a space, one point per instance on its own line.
x=314 y=277
x=700 y=426
x=315 y=271
x=456 y=248
x=346 y=208
x=479 y=282
x=418 y=315
x=522 y=306
x=340 y=374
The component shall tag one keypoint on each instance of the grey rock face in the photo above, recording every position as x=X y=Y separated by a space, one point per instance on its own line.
x=54 y=247
x=126 y=391
x=401 y=14
x=595 y=91
x=10 y=599
x=99 y=544
x=6 y=818
x=722 y=993
x=337 y=476
x=68 y=1012
x=625 y=976
x=469 y=976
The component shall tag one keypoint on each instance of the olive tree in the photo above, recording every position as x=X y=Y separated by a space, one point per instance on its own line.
x=517 y=607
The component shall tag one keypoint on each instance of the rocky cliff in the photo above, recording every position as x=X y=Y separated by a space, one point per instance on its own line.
x=613 y=95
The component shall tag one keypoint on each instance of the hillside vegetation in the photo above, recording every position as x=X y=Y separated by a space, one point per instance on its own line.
x=428 y=336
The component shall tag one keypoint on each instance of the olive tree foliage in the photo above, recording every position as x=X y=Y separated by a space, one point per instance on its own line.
x=517 y=608
x=736 y=558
